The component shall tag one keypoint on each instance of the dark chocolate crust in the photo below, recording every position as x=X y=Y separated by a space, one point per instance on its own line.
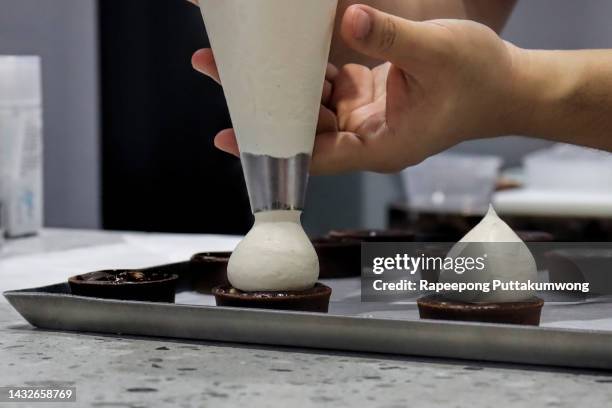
x=338 y=259
x=209 y=269
x=104 y=284
x=438 y=308
x=340 y=250
x=311 y=300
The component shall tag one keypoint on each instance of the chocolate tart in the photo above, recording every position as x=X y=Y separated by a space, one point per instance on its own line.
x=125 y=285
x=438 y=308
x=338 y=259
x=311 y=300
x=340 y=250
x=209 y=269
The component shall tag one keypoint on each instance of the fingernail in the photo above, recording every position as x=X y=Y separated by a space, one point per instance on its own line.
x=362 y=24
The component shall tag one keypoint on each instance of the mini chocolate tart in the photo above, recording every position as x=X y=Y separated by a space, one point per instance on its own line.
x=209 y=269
x=340 y=250
x=125 y=285
x=310 y=300
x=338 y=259
x=439 y=308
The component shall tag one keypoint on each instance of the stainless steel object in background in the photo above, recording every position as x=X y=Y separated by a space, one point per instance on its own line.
x=276 y=183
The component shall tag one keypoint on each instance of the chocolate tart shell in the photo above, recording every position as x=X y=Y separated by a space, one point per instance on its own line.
x=438 y=308
x=158 y=290
x=338 y=259
x=311 y=300
x=208 y=270
x=339 y=251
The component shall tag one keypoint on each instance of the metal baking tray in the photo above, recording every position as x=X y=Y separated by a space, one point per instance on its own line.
x=351 y=325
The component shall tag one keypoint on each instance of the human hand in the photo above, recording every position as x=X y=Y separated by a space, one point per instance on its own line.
x=447 y=81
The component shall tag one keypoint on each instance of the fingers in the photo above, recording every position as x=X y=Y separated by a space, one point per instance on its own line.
x=328 y=88
x=333 y=153
x=403 y=94
x=380 y=79
x=203 y=61
x=331 y=72
x=338 y=152
x=226 y=141
x=389 y=38
x=353 y=89
x=327 y=121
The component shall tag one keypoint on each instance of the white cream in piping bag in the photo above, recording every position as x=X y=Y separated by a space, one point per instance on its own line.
x=507 y=259
x=275 y=255
x=272 y=56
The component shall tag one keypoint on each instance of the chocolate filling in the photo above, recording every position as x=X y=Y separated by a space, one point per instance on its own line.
x=125 y=285
x=122 y=276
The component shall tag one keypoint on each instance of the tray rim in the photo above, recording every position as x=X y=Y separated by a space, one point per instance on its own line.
x=39 y=292
x=469 y=341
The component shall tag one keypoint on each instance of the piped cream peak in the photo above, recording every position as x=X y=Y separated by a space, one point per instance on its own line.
x=507 y=259
x=491 y=229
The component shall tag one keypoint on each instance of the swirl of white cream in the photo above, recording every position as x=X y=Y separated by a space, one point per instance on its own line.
x=508 y=259
x=276 y=255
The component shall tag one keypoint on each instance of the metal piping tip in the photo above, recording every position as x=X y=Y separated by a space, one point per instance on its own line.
x=276 y=183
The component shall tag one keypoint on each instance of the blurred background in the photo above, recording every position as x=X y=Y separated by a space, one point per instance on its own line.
x=128 y=124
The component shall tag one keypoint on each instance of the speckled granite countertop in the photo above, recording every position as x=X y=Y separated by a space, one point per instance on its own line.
x=110 y=371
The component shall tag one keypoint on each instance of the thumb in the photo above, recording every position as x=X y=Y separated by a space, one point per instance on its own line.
x=389 y=38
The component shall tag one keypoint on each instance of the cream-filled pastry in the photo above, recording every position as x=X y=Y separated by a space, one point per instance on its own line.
x=276 y=255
